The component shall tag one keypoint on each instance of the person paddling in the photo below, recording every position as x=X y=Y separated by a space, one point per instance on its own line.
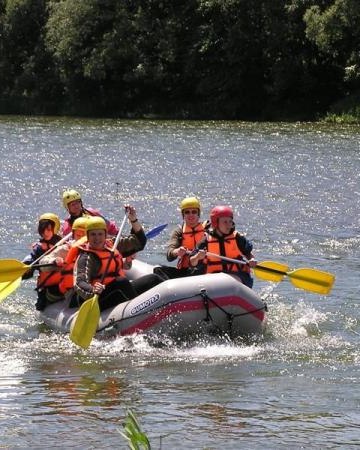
x=100 y=271
x=47 y=282
x=48 y=229
x=183 y=240
x=73 y=204
x=222 y=239
x=64 y=258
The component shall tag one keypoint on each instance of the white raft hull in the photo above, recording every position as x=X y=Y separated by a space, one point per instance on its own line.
x=181 y=309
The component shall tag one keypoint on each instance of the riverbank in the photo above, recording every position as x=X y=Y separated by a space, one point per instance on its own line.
x=346 y=110
x=343 y=112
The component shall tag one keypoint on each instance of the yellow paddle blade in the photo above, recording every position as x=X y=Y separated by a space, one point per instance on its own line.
x=10 y=269
x=86 y=322
x=8 y=287
x=271 y=271
x=308 y=279
x=312 y=280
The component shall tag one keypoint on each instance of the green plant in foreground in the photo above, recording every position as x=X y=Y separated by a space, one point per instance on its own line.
x=132 y=433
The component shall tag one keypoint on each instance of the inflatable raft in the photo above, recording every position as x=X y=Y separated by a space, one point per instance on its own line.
x=181 y=309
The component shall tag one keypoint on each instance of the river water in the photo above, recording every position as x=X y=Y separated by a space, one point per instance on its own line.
x=295 y=191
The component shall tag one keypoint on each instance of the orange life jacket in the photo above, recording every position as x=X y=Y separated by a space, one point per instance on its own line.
x=227 y=248
x=47 y=279
x=112 y=270
x=67 y=274
x=190 y=237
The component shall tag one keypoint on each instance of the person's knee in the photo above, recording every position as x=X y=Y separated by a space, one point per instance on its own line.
x=248 y=281
x=160 y=273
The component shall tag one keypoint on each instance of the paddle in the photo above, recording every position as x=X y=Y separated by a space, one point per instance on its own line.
x=305 y=278
x=12 y=268
x=84 y=327
x=8 y=286
x=155 y=231
x=312 y=280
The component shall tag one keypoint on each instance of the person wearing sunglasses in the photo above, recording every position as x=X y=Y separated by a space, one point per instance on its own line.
x=183 y=240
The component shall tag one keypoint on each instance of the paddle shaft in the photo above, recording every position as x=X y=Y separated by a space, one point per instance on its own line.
x=258 y=266
x=116 y=243
x=118 y=236
x=32 y=266
x=225 y=258
x=245 y=261
x=18 y=268
x=62 y=241
x=309 y=279
x=14 y=284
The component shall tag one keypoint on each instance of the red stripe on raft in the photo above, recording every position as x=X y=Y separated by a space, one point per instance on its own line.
x=194 y=305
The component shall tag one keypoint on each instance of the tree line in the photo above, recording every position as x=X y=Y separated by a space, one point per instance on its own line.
x=201 y=59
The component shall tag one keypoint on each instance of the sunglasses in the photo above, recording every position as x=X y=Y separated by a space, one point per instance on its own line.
x=191 y=211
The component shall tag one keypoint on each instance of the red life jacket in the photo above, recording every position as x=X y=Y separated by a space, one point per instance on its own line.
x=228 y=249
x=190 y=237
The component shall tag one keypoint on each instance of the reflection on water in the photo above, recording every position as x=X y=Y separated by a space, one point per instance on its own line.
x=69 y=396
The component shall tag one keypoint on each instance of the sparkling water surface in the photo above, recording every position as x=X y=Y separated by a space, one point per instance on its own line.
x=295 y=191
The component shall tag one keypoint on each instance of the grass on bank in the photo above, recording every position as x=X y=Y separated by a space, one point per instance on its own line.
x=342 y=118
x=344 y=111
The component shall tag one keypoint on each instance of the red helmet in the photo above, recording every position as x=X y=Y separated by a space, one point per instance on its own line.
x=220 y=211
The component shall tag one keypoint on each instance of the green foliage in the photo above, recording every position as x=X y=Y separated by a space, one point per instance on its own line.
x=347 y=118
x=232 y=59
x=136 y=438
x=92 y=44
x=336 y=31
x=26 y=71
x=347 y=110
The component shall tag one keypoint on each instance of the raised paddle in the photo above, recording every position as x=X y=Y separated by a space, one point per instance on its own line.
x=85 y=324
x=155 y=231
x=305 y=278
x=13 y=278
